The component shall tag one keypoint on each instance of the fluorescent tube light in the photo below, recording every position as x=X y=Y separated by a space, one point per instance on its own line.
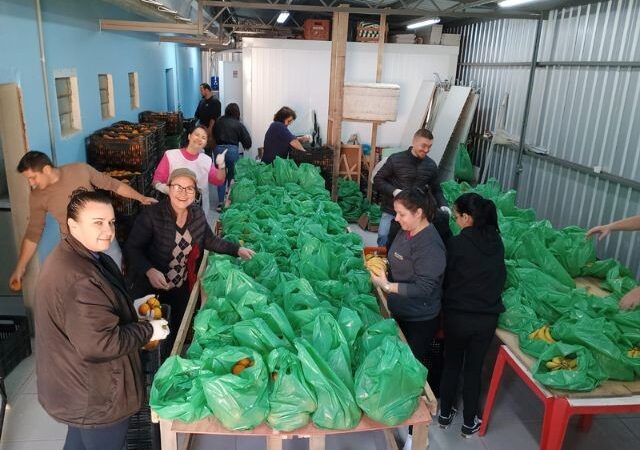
x=282 y=18
x=509 y=3
x=423 y=23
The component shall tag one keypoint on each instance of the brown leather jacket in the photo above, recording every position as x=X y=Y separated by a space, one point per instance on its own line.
x=88 y=339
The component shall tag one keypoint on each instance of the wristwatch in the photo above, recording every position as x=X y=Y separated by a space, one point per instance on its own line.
x=386 y=287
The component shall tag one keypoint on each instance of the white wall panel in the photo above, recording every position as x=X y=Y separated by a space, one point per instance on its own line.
x=296 y=74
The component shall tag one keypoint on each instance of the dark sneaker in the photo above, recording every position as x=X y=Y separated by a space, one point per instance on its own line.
x=445 y=421
x=219 y=207
x=469 y=431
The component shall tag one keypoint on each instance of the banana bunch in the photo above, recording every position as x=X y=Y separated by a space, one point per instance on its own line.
x=634 y=352
x=377 y=265
x=560 y=363
x=542 y=334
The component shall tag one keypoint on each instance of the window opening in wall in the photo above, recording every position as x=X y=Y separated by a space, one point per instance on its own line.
x=68 y=105
x=107 y=104
x=134 y=94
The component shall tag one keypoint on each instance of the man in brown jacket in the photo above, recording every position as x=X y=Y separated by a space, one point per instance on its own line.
x=51 y=188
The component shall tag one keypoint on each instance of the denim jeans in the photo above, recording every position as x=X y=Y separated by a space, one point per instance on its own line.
x=230 y=159
x=111 y=437
x=383 y=228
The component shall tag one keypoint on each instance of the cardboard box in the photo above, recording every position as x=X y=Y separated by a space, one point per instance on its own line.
x=370 y=101
x=363 y=221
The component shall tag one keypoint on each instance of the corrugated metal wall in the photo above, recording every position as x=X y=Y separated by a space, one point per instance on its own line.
x=584 y=110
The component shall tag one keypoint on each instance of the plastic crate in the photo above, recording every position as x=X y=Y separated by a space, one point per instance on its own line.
x=142 y=433
x=368 y=32
x=174 y=141
x=317 y=30
x=134 y=153
x=173 y=120
x=15 y=342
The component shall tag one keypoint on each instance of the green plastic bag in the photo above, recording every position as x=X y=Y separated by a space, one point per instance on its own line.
x=256 y=334
x=176 y=393
x=291 y=399
x=586 y=377
x=573 y=250
x=372 y=337
x=209 y=332
x=463 y=168
x=350 y=324
x=337 y=408
x=326 y=337
x=242 y=191
x=310 y=177
x=239 y=402
x=532 y=248
x=284 y=171
x=599 y=336
x=389 y=382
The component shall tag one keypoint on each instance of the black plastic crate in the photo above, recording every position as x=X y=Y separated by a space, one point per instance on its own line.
x=173 y=120
x=15 y=342
x=135 y=153
x=142 y=433
x=318 y=156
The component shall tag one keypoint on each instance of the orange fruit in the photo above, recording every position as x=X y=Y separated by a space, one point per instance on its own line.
x=274 y=376
x=151 y=345
x=157 y=313
x=237 y=369
x=144 y=309
x=153 y=302
x=246 y=362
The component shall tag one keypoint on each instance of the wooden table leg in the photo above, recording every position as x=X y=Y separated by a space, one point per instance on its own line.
x=168 y=438
x=273 y=443
x=316 y=442
x=420 y=437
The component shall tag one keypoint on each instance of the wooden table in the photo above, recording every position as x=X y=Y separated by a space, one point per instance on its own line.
x=169 y=429
x=611 y=397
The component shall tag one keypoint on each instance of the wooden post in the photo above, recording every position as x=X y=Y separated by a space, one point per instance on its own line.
x=336 y=92
x=374 y=126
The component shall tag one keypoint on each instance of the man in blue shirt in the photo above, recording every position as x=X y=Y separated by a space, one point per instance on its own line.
x=278 y=139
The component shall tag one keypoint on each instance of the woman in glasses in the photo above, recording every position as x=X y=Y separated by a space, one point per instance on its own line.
x=166 y=241
x=192 y=157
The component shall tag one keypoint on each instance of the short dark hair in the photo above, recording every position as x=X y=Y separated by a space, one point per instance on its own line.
x=482 y=210
x=284 y=113
x=424 y=133
x=232 y=110
x=414 y=199
x=80 y=198
x=205 y=86
x=34 y=160
x=194 y=128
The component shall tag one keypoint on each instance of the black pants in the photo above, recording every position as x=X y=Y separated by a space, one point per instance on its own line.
x=419 y=336
x=106 y=438
x=467 y=338
x=177 y=299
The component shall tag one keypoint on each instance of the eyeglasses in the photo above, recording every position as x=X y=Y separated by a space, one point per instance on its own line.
x=190 y=190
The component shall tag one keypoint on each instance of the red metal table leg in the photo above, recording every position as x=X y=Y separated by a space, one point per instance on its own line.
x=498 y=369
x=585 y=422
x=560 y=413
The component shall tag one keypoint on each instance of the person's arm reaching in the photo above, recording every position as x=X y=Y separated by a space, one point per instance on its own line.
x=128 y=192
x=27 y=250
x=628 y=224
x=631 y=299
x=381 y=180
x=295 y=143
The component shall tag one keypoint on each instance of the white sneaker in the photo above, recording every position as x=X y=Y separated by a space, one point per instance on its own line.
x=408 y=444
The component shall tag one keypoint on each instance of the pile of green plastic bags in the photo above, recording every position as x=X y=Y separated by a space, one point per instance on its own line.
x=542 y=263
x=301 y=312
x=353 y=204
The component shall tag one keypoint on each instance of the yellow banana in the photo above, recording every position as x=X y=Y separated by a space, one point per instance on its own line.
x=547 y=335
x=573 y=363
x=552 y=365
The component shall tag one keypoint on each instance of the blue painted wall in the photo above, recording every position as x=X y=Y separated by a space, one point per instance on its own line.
x=75 y=44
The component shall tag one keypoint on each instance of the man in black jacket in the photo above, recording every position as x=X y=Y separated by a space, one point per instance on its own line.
x=404 y=170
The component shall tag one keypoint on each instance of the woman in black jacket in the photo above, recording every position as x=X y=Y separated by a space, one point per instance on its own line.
x=166 y=240
x=474 y=280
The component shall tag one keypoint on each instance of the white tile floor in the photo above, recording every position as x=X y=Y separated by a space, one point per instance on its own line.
x=515 y=423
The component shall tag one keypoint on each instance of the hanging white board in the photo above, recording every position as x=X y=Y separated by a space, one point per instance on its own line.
x=460 y=133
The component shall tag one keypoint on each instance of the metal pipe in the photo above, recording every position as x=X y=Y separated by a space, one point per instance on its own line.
x=624 y=182
x=623 y=64
x=527 y=106
x=45 y=81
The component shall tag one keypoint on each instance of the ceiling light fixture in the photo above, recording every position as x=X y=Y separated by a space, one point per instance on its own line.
x=423 y=23
x=282 y=18
x=509 y=3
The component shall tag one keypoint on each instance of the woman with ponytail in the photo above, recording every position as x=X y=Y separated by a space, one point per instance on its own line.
x=474 y=280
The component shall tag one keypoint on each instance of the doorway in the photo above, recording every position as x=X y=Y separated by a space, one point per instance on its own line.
x=14 y=201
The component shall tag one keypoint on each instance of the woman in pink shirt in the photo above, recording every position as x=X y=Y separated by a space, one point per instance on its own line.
x=192 y=157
